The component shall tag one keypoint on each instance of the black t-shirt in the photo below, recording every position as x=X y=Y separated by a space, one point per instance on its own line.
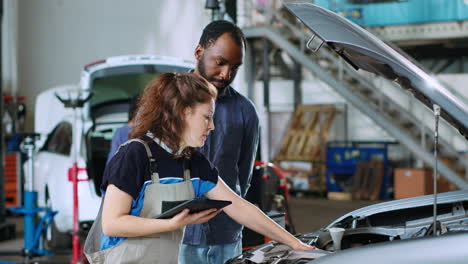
x=129 y=169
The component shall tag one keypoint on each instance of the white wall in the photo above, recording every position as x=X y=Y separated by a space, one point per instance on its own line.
x=56 y=38
x=316 y=92
x=359 y=125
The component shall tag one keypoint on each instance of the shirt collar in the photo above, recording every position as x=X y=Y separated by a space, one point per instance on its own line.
x=225 y=92
x=162 y=144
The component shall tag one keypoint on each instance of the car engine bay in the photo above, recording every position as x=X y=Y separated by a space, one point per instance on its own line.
x=403 y=224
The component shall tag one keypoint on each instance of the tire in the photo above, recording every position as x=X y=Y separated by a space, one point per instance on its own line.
x=54 y=239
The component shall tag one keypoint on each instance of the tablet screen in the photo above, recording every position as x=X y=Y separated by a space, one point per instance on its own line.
x=194 y=205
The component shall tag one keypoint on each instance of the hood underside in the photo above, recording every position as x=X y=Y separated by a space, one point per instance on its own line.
x=364 y=51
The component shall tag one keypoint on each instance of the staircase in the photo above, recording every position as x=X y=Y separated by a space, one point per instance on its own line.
x=391 y=107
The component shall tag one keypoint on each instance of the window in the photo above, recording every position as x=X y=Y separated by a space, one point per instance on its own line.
x=60 y=140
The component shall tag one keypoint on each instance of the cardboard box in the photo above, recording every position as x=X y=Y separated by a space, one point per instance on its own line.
x=342 y=196
x=417 y=182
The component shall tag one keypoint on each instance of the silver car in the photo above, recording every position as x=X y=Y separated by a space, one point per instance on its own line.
x=390 y=232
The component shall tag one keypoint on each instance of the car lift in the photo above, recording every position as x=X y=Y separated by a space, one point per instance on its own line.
x=33 y=234
x=73 y=172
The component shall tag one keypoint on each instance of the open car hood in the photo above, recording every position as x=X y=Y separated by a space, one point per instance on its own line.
x=384 y=229
x=364 y=51
x=397 y=207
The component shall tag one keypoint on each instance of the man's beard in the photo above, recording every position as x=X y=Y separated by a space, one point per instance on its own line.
x=202 y=70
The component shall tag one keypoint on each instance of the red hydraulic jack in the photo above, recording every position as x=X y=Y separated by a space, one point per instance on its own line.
x=76 y=102
x=74 y=177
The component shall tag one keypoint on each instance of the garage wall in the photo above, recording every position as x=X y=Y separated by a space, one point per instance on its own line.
x=360 y=127
x=316 y=92
x=56 y=38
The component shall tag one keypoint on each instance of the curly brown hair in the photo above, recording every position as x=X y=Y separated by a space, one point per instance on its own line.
x=163 y=102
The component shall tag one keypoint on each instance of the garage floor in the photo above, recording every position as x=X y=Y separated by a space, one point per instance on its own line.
x=308 y=215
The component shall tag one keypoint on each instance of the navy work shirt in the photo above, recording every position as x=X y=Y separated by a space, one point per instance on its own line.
x=129 y=170
x=120 y=136
x=231 y=148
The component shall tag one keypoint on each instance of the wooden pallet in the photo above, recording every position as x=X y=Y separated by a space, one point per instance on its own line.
x=306 y=136
x=306 y=139
x=367 y=180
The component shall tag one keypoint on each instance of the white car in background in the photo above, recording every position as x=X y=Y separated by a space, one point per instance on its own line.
x=113 y=82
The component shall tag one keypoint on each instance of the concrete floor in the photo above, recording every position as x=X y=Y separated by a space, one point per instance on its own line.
x=311 y=214
x=308 y=215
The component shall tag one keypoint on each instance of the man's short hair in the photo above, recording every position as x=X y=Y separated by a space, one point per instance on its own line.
x=215 y=29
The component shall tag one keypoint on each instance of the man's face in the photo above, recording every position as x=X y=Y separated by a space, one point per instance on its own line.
x=219 y=62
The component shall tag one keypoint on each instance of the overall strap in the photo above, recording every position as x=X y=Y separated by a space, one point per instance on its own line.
x=152 y=160
x=186 y=166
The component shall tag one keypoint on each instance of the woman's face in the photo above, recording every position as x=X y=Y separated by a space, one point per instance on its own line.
x=198 y=124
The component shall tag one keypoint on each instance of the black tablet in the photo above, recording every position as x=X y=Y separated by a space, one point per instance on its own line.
x=194 y=205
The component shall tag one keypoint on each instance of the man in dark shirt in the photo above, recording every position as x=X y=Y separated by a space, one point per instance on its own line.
x=231 y=147
x=121 y=134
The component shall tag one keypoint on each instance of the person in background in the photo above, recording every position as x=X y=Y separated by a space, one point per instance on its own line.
x=121 y=134
x=231 y=147
x=161 y=164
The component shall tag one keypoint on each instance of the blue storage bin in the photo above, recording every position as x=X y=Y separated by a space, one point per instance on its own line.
x=342 y=158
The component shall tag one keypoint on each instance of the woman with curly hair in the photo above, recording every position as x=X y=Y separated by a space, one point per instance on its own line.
x=160 y=164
